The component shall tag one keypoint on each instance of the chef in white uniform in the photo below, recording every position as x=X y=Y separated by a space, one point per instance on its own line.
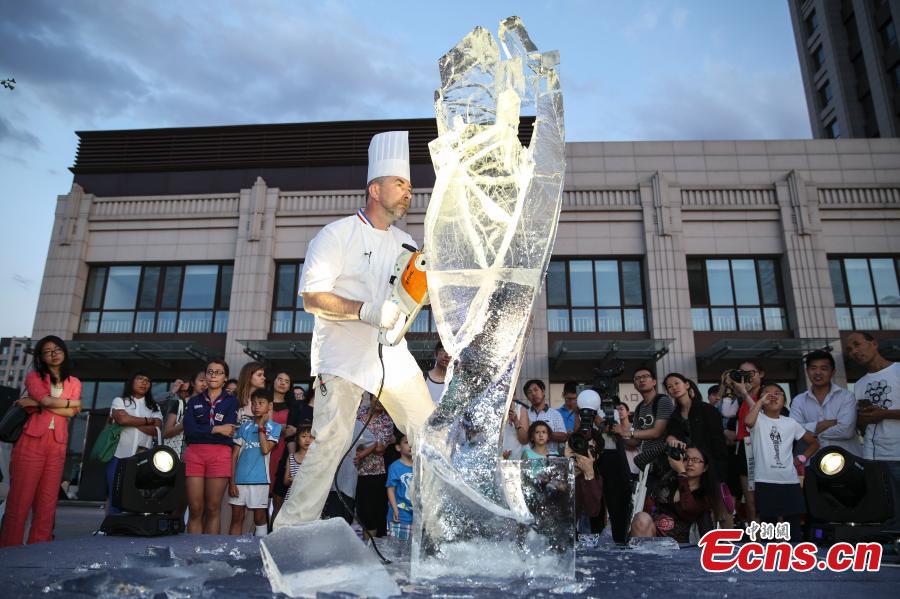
x=345 y=284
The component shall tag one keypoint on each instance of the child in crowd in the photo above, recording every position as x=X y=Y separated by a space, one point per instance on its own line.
x=249 y=486
x=303 y=440
x=251 y=378
x=778 y=493
x=210 y=421
x=539 y=437
x=400 y=515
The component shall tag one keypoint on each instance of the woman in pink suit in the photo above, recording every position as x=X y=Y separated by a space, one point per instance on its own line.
x=36 y=467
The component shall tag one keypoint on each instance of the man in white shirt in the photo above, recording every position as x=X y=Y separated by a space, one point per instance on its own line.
x=540 y=410
x=435 y=378
x=878 y=396
x=826 y=410
x=345 y=284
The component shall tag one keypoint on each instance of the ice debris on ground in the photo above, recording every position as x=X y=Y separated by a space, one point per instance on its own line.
x=662 y=546
x=323 y=556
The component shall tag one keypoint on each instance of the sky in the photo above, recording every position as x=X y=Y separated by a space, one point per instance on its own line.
x=638 y=70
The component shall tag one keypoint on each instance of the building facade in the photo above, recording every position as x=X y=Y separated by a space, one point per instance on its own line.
x=850 y=62
x=687 y=256
x=15 y=360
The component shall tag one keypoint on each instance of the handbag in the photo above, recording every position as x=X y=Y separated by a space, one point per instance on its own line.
x=105 y=446
x=12 y=423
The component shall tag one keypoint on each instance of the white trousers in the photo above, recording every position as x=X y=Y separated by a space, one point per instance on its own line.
x=337 y=400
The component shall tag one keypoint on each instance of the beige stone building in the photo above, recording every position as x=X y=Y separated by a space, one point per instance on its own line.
x=15 y=360
x=179 y=244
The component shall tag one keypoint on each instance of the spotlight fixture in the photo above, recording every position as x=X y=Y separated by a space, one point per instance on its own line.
x=149 y=489
x=849 y=498
x=831 y=463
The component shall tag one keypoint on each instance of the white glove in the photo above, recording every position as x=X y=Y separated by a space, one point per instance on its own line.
x=380 y=316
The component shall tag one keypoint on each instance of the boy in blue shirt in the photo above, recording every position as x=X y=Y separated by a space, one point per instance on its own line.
x=253 y=442
x=399 y=516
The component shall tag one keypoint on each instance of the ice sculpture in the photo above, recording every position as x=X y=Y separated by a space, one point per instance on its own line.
x=489 y=231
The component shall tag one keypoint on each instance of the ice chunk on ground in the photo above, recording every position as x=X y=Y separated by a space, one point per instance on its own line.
x=143 y=581
x=664 y=546
x=161 y=557
x=323 y=556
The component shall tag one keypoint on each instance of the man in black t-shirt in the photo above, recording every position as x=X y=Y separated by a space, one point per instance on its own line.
x=651 y=417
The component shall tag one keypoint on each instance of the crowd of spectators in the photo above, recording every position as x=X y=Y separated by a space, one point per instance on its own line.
x=734 y=457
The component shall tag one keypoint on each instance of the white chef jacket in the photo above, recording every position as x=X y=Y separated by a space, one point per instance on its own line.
x=354 y=260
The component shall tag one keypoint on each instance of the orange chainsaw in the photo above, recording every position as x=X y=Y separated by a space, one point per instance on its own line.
x=409 y=291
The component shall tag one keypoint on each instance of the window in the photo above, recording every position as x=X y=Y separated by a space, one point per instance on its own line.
x=818 y=57
x=173 y=298
x=589 y=296
x=287 y=311
x=888 y=34
x=866 y=293
x=825 y=94
x=833 y=130
x=895 y=76
x=737 y=294
x=812 y=23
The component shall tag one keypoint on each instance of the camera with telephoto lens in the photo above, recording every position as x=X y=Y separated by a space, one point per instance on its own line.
x=676 y=453
x=588 y=406
x=601 y=398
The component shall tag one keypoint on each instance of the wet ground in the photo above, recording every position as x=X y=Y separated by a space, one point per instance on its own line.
x=192 y=566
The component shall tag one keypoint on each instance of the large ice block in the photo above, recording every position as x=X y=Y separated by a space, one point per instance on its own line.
x=323 y=556
x=489 y=231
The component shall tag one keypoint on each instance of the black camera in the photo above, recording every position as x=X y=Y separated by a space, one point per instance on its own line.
x=579 y=440
x=739 y=376
x=674 y=452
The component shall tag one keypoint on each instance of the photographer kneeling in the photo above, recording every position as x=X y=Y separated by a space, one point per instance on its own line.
x=588 y=488
x=685 y=496
x=602 y=482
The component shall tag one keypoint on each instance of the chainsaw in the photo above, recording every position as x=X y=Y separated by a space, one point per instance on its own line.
x=409 y=291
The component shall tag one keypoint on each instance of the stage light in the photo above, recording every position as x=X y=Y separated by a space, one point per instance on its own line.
x=149 y=489
x=849 y=498
x=832 y=463
x=163 y=461
x=842 y=475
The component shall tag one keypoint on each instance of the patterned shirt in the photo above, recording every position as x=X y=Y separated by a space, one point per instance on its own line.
x=382 y=427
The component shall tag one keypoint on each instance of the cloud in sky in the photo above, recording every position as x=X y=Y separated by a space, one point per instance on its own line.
x=207 y=65
x=17 y=136
x=23 y=282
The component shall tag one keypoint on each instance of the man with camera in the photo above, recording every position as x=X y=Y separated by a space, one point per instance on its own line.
x=651 y=416
x=585 y=446
x=744 y=383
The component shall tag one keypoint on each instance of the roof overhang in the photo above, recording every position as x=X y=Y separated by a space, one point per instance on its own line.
x=268 y=350
x=160 y=352
x=746 y=349
x=600 y=350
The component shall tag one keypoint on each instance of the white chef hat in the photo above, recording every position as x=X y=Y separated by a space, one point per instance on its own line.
x=389 y=155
